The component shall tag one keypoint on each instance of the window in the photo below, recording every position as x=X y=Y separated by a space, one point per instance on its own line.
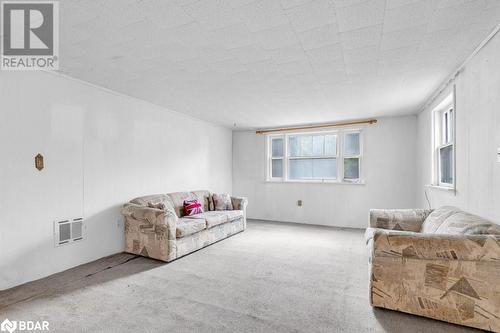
x=321 y=156
x=352 y=156
x=445 y=149
x=444 y=144
x=277 y=157
x=312 y=156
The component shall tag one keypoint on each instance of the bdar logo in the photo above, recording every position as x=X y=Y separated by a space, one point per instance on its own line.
x=9 y=326
x=24 y=325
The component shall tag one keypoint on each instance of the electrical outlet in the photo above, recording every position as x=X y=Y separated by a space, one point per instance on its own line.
x=299 y=203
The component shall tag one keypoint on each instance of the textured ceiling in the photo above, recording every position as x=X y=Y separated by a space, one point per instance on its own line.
x=273 y=62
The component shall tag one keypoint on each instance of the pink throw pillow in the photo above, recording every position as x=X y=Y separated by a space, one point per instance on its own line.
x=192 y=207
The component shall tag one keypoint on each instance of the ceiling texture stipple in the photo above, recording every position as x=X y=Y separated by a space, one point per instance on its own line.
x=272 y=63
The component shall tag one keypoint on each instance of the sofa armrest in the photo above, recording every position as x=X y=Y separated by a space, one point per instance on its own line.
x=152 y=216
x=239 y=203
x=412 y=245
x=398 y=219
x=150 y=232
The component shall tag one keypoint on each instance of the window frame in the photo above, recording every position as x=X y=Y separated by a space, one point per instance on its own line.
x=340 y=137
x=438 y=157
x=288 y=158
x=358 y=156
x=270 y=158
x=447 y=130
x=444 y=136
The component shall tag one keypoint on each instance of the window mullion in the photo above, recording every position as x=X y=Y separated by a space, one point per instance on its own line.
x=340 y=153
x=285 y=157
x=329 y=157
x=268 y=158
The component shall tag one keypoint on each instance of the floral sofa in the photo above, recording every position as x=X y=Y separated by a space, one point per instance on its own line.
x=156 y=226
x=443 y=264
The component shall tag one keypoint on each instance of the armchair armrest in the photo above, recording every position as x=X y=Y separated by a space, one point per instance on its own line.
x=441 y=276
x=411 y=245
x=398 y=219
x=239 y=203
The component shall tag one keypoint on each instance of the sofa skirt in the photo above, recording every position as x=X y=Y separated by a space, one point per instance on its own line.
x=191 y=243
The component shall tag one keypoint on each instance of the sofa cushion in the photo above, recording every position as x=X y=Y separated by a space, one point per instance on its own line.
x=154 y=201
x=212 y=218
x=177 y=199
x=222 y=201
x=462 y=223
x=436 y=218
x=188 y=226
x=233 y=215
x=205 y=198
x=159 y=205
x=218 y=217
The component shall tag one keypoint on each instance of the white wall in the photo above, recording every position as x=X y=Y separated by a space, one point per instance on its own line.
x=478 y=137
x=101 y=149
x=388 y=166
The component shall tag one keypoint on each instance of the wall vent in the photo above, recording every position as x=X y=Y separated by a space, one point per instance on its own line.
x=68 y=231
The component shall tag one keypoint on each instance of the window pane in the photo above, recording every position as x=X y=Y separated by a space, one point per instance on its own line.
x=450 y=126
x=446 y=164
x=312 y=145
x=277 y=147
x=447 y=128
x=351 y=144
x=351 y=168
x=293 y=146
x=306 y=146
x=277 y=168
x=318 y=145
x=301 y=146
x=330 y=145
x=313 y=169
x=446 y=140
x=325 y=168
x=300 y=169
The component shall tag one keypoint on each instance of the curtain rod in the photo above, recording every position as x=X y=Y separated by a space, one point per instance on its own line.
x=339 y=124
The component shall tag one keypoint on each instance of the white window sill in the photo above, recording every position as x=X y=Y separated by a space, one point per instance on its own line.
x=330 y=182
x=440 y=187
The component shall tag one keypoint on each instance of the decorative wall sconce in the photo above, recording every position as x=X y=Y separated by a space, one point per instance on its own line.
x=39 y=162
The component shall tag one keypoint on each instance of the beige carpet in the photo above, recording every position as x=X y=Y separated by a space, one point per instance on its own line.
x=274 y=277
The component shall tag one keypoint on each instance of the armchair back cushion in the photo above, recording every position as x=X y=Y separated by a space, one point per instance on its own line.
x=398 y=219
x=463 y=223
x=437 y=218
x=452 y=221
